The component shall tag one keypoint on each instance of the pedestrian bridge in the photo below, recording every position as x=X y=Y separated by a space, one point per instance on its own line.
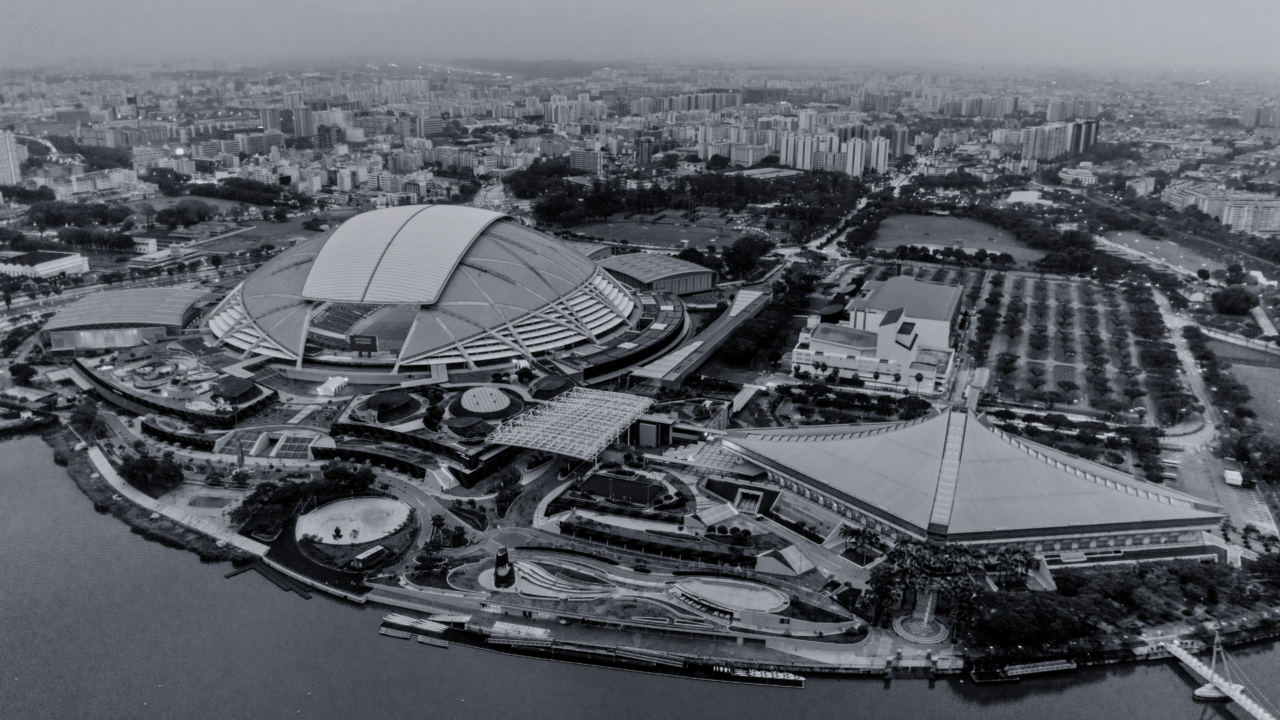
x=1229 y=689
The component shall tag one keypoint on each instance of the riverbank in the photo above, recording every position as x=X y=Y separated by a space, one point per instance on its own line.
x=141 y=521
x=787 y=653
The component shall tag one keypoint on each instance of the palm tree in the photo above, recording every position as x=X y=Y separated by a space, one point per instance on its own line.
x=859 y=536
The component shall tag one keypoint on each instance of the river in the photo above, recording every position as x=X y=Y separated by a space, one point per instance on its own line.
x=96 y=622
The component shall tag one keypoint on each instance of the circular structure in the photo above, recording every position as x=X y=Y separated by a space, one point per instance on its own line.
x=734 y=594
x=467 y=428
x=485 y=400
x=415 y=286
x=391 y=406
x=359 y=520
x=549 y=386
x=918 y=630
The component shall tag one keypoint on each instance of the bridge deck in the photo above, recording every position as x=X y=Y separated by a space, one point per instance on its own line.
x=1242 y=699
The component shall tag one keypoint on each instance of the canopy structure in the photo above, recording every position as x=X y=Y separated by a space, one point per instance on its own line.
x=580 y=423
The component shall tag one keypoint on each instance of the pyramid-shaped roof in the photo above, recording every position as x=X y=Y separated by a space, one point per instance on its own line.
x=953 y=476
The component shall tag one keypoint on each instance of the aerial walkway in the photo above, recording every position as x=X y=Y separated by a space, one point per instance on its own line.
x=1229 y=689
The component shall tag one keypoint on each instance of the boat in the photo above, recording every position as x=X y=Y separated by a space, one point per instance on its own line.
x=1211 y=692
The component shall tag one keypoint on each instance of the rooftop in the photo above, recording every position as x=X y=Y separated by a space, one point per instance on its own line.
x=401 y=255
x=36 y=258
x=650 y=267
x=144 y=306
x=952 y=474
x=841 y=335
x=579 y=423
x=916 y=298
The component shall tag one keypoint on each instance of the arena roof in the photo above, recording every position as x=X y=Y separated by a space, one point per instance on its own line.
x=650 y=267
x=401 y=255
x=579 y=423
x=145 y=306
x=460 y=285
x=952 y=475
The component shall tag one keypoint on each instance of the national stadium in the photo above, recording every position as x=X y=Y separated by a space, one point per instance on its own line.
x=418 y=291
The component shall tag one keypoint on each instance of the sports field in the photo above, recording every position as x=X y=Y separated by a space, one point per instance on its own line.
x=1165 y=250
x=664 y=234
x=1264 y=385
x=944 y=231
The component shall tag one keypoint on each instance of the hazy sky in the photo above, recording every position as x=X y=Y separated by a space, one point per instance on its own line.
x=1204 y=34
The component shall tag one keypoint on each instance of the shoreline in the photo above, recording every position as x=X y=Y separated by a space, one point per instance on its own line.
x=160 y=529
x=175 y=535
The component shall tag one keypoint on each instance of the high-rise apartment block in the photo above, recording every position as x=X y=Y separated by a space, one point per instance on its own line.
x=1260 y=116
x=898 y=141
x=797 y=150
x=591 y=161
x=855 y=152
x=1053 y=140
x=878 y=155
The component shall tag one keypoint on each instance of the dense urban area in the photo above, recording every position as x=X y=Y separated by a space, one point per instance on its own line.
x=728 y=373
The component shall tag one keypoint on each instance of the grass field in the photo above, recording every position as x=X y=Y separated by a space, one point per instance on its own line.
x=970 y=235
x=1264 y=385
x=665 y=234
x=1164 y=250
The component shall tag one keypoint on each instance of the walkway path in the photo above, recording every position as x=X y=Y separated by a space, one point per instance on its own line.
x=137 y=497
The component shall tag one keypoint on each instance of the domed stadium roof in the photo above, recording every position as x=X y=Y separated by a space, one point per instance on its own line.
x=434 y=284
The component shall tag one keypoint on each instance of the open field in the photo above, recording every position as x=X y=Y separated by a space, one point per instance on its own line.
x=970 y=235
x=669 y=234
x=1164 y=250
x=1264 y=385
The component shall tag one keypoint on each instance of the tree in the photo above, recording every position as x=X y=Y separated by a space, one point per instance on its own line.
x=215 y=261
x=1203 y=274
x=148 y=212
x=1234 y=300
x=84 y=414
x=22 y=373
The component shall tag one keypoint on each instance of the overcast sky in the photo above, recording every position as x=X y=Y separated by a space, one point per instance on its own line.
x=1193 y=34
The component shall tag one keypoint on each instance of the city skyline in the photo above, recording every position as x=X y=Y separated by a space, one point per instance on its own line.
x=1180 y=35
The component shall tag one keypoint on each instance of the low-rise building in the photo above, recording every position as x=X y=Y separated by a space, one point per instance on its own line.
x=43 y=264
x=900 y=334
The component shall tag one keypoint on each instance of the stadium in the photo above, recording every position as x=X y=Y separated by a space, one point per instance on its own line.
x=434 y=288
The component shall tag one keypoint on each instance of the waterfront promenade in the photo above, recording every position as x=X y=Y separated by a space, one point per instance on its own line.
x=127 y=491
